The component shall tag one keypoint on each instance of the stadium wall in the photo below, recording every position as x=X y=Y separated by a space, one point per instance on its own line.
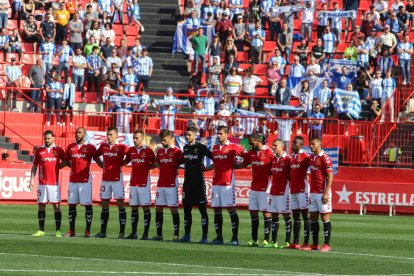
x=377 y=187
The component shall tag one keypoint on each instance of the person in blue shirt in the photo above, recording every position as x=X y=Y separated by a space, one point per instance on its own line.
x=316 y=122
x=343 y=78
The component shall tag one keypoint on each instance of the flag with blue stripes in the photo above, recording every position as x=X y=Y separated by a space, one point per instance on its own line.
x=347 y=102
x=180 y=142
x=183 y=34
x=247 y=113
x=295 y=84
x=333 y=153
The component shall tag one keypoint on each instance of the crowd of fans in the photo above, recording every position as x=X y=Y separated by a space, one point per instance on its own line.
x=74 y=43
x=377 y=39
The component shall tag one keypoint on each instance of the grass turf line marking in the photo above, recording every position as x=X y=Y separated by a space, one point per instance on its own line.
x=126 y=272
x=152 y=263
x=372 y=255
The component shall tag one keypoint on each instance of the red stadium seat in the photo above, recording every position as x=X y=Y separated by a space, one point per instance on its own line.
x=11 y=24
x=242 y=57
x=29 y=59
x=269 y=46
x=118 y=28
x=260 y=69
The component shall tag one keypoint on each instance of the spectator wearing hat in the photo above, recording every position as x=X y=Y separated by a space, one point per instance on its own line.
x=257 y=39
x=37 y=79
x=144 y=72
x=239 y=32
x=199 y=43
x=209 y=21
x=14 y=79
x=47 y=50
x=224 y=27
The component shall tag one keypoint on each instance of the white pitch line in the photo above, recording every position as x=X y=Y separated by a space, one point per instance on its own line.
x=155 y=263
x=126 y=272
x=373 y=255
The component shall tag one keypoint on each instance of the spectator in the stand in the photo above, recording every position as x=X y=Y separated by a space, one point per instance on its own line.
x=302 y=51
x=229 y=65
x=94 y=63
x=388 y=39
x=49 y=77
x=329 y=43
x=296 y=69
x=405 y=50
x=145 y=66
x=374 y=111
x=226 y=106
x=209 y=103
x=14 y=79
x=250 y=82
x=168 y=112
x=62 y=17
x=209 y=21
x=108 y=32
x=306 y=99
x=76 y=30
x=4 y=10
x=281 y=62
x=257 y=39
x=197 y=6
x=199 y=43
x=375 y=87
x=47 y=50
x=215 y=123
x=105 y=6
x=15 y=43
x=221 y=8
x=388 y=87
x=103 y=20
x=250 y=124
x=395 y=7
x=123 y=118
x=323 y=20
x=324 y=98
x=385 y=62
x=195 y=123
x=307 y=20
x=68 y=100
x=362 y=85
x=64 y=52
x=403 y=17
x=237 y=130
x=371 y=44
x=214 y=72
x=318 y=51
x=88 y=47
x=357 y=35
x=233 y=85
x=239 y=32
x=122 y=49
x=236 y=8
x=193 y=20
x=94 y=31
x=78 y=71
x=54 y=92
x=313 y=69
x=215 y=49
x=134 y=13
x=105 y=53
x=316 y=122
x=253 y=10
x=113 y=58
x=91 y=17
x=273 y=76
x=285 y=42
x=224 y=27
x=265 y=6
x=129 y=80
x=37 y=79
x=72 y=6
x=189 y=8
x=394 y=153
x=137 y=46
x=381 y=6
x=337 y=24
x=205 y=9
x=410 y=10
x=118 y=10
x=4 y=42
x=367 y=25
x=113 y=77
x=343 y=78
x=283 y=93
x=351 y=52
x=30 y=32
x=229 y=49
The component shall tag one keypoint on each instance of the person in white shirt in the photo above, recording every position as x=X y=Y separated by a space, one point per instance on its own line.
x=233 y=85
x=313 y=69
x=307 y=20
x=250 y=82
x=237 y=131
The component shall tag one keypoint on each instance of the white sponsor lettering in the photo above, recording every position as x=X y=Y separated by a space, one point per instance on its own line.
x=220 y=156
x=191 y=157
x=277 y=169
x=295 y=166
x=384 y=198
x=78 y=155
x=166 y=160
x=11 y=184
x=314 y=168
x=258 y=163
x=49 y=159
x=137 y=160
x=110 y=154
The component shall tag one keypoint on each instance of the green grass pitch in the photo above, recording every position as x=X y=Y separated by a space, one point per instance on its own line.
x=368 y=245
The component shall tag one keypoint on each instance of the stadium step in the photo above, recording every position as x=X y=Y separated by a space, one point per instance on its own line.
x=160 y=22
x=12 y=149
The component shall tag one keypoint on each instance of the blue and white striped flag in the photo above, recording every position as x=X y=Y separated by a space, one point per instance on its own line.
x=172 y=102
x=333 y=153
x=283 y=107
x=208 y=141
x=295 y=85
x=184 y=33
x=347 y=102
x=247 y=113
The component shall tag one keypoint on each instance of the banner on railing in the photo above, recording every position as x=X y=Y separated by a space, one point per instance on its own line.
x=347 y=102
x=184 y=33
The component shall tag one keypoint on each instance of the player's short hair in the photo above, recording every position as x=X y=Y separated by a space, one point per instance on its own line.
x=318 y=140
x=192 y=129
x=112 y=129
x=254 y=136
x=164 y=133
x=225 y=129
x=300 y=139
x=82 y=128
x=138 y=131
x=48 y=132
x=279 y=142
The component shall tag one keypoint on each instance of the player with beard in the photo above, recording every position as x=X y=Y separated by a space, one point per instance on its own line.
x=48 y=159
x=78 y=157
x=194 y=188
x=142 y=159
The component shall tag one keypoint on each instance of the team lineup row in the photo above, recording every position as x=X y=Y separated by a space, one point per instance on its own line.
x=279 y=185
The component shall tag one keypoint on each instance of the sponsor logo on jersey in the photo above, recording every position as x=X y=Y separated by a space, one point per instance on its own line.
x=49 y=159
x=314 y=168
x=137 y=160
x=277 y=169
x=220 y=156
x=78 y=155
x=110 y=154
x=295 y=166
x=166 y=160
x=191 y=157
x=258 y=163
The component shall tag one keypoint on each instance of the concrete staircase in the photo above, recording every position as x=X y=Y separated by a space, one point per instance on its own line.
x=160 y=19
x=7 y=146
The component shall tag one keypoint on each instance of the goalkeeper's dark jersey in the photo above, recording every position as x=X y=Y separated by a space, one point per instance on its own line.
x=194 y=163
